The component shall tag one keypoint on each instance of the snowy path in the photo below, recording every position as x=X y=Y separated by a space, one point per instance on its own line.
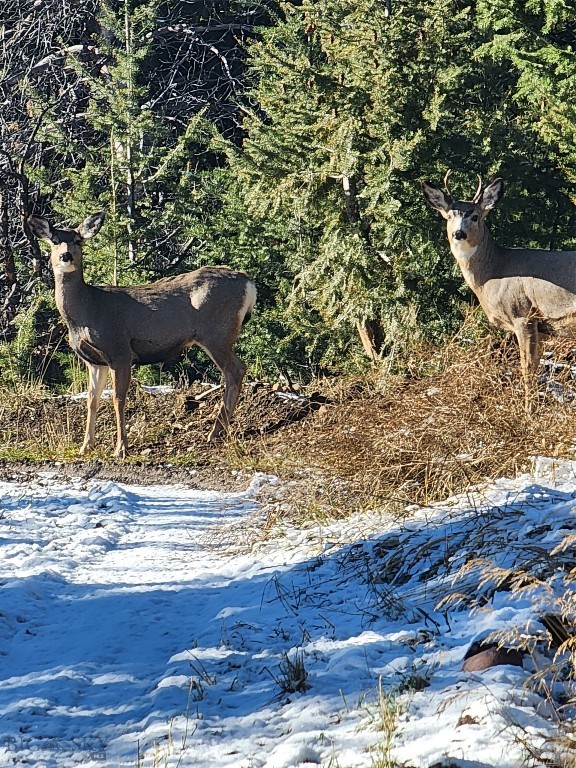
x=104 y=585
x=130 y=636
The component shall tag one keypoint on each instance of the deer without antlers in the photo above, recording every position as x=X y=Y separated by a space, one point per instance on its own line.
x=111 y=328
x=529 y=291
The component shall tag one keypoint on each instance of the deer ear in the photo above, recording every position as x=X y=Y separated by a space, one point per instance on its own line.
x=40 y=228
x=91 y=225
x=436 y=198
x=492 y=195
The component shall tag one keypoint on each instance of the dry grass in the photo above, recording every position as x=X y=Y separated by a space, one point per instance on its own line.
x=454 y=419
x=402 y=440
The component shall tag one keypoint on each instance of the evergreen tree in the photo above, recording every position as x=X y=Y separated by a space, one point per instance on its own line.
x=35 y=40
x=539 y=40
x=356 y=106
x=124 y=158
x=143 y=93
x=132 y=106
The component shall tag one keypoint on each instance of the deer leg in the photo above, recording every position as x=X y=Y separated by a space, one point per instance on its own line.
x=97 y=376
x=530 y=346
x=121 y=376
x=233 y=372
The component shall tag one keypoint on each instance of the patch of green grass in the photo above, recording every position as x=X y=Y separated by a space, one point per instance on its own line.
x=36 y=452
x=383 y=717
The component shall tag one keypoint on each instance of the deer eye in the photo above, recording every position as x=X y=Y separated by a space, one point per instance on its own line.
x=474 y=217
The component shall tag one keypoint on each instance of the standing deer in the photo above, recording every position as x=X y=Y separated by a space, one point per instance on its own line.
x=529 y=291
x=111 y=328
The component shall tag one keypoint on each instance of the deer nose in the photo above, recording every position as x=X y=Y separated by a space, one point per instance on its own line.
x=66 y=257
x=460 y=234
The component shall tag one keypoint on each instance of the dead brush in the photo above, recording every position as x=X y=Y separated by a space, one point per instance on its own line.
x=39 y=426
x=292 y=675
x=416 y=440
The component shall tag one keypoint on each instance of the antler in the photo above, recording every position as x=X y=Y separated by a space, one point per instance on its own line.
x=478 y=196
x=446 y=177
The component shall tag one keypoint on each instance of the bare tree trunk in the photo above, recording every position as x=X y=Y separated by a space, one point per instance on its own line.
x=369 y=335
x=370 y=331
x=5 y=247
x=130 y=182
x=351 y=198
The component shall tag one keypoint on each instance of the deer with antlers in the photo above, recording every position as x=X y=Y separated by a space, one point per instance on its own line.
x=111 y=328
x=528 y=291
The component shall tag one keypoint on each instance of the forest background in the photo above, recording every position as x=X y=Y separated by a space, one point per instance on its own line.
x=286 y=139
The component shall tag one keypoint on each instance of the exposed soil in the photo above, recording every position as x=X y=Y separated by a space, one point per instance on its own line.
x=134 y=473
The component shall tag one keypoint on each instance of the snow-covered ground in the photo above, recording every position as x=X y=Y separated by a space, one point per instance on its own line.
x=141 y=626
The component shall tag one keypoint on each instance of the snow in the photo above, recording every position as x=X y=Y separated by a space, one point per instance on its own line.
x=150 y=389
x=148 y=626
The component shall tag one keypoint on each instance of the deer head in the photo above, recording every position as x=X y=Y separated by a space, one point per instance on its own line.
x=66 y=243
x=464 y=219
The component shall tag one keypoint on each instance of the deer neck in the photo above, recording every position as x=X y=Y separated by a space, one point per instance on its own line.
x=476 y=261
x=71 y=294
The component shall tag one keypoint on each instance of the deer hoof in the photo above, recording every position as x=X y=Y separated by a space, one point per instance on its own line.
x=215 y=435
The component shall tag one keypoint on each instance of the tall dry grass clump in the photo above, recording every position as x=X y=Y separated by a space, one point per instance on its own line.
x=418 y=438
